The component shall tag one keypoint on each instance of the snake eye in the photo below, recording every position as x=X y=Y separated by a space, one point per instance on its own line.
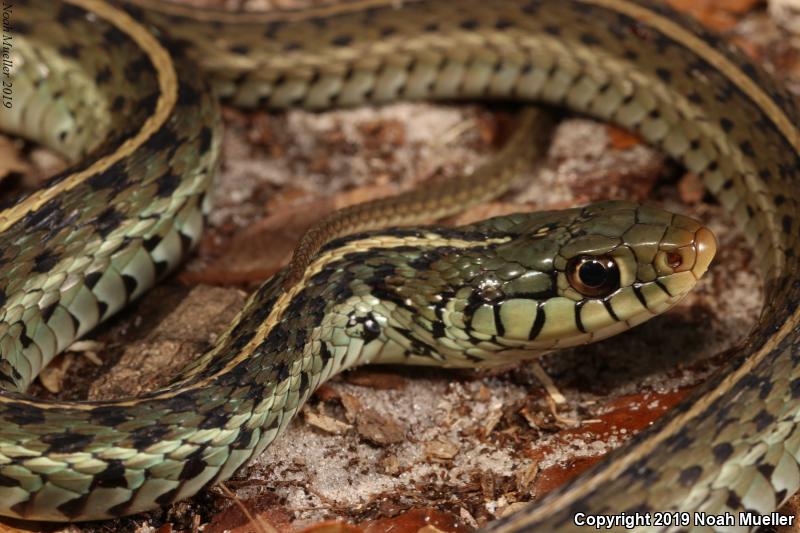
x=593 y=276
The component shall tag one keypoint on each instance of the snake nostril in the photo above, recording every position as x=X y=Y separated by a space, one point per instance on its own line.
x=674 y=260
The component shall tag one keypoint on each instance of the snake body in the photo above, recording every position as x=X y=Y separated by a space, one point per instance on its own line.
x=93 y=83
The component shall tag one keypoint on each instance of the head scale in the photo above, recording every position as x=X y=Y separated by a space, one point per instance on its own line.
x=561 y=278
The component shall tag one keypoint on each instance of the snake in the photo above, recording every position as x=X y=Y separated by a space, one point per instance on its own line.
x=129 y=92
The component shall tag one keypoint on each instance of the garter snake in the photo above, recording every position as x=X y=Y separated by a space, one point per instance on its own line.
x=91 y=82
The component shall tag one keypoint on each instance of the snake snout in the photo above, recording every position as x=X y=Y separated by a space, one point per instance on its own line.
x=705 y=247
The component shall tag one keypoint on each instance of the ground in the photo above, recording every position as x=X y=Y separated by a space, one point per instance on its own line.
x=409 y=449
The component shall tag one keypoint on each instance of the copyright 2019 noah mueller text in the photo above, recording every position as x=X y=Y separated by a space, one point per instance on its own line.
x=8 y=45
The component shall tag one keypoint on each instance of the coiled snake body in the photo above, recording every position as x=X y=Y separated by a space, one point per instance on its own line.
x=91 y=82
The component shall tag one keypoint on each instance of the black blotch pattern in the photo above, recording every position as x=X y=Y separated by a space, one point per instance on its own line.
x=538 y=324
x=272 y=29
x=102 y=76
x=22 y=414
x=763 y=420
x=130 y=283
x=794 y=387
x=47 y=312
x=204 y=139
x=532 y=7
x=117 y=104
x=589 y=39
x=678 y=441
x=147 y=436
x=69 y=51
x=115 y=179
x=786 y=223
x=66 y=442
x=167 y=497
x=112 y=477
x=108 y=221
x=192 y=467
x=74 y=508
x=45 y=261
x=91 y=279
x=136 y=68
x=186 y=242
x=766 y=470
x=722 y=452
x=243 y=439
x=188 y=95
x=109 y=416
x=68 y=14
x=49 y=217
x=325 y=353
x=690 y=475
x=166 y=184
x=342 y=40
x=733 y=501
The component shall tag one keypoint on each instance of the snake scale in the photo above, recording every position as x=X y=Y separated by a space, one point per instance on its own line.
x=116 y=90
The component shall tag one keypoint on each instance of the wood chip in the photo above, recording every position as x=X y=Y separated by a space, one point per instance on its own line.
x=430 y=529
x=511 y=509
x=325 y=423
x=375 y=379
x=326 y=393
x=786 y=13
x=526 y=477
x=52 y=376
x=441 y=449
x=622 y=139
x=11 y=159
x=467 y=517
x=492 y=419
x=352 y=406
x=89 y=350
x=691 y=188
x=379 y=429
x=332 y=526
x=484 y=394
x=391 y=465
x=719 y=15
x=548 y=384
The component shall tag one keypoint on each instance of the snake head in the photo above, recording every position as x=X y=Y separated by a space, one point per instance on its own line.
x=570 y=277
